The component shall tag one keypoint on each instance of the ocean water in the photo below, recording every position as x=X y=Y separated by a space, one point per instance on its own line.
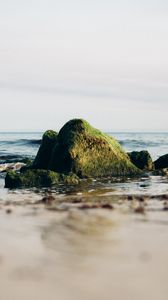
x=15 y=146
x=18 y=145
x=155 y=143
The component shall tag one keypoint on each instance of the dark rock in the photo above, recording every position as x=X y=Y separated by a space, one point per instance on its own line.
x=165 y=205
x=89 y=206
x=139 y=210
x=96 y=206
x=161 y=162
x=130 y=198
x=13 y=180
x=160 y=197
x=107 y=206
x=47 y=199
x=8 y=211
x=45 y=151
x=141 y=159
x=141 y=199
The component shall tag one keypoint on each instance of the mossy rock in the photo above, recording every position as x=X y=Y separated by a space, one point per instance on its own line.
x=161 y=162
x=45 y=151
x=88 y=152
x=13 y=180
x=142 y=160
x=38 y=178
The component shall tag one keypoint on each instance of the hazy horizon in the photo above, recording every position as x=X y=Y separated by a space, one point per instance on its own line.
x=102 y=61
x=106 y=131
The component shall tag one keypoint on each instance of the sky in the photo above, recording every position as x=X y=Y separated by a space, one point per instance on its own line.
x=105 y=61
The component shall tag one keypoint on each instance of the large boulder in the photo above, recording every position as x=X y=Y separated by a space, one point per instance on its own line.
x=86 y=151
x=45 y=151
x=161 y=162
x=142 y=160
x=78 y=151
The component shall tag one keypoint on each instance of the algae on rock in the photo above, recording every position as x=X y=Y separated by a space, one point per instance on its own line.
x=38 y=178
x=88 y=152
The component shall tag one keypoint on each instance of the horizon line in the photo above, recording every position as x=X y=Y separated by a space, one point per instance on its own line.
x=105 y=131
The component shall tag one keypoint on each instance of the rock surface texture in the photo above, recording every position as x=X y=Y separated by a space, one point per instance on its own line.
x=86 y=151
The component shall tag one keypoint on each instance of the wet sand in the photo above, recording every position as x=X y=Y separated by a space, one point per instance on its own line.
x=66 y=248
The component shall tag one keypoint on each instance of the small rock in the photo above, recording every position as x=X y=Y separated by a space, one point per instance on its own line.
x=89 y=206
x=96 y=205
x=163 y=197
x=130 y=198
x=161 y=162
x=76 y=201
x=141 y=199
x=165 y=205
x=107 y=206
x=47 y=199
x=139 y=210
x=8 y=211
x=141 y=159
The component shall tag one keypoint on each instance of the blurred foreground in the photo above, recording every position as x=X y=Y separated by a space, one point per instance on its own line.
x=70 y=250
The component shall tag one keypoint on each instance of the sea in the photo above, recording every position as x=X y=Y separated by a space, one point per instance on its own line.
x=17 y=145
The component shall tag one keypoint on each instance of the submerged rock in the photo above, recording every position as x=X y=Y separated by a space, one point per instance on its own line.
x=38 y=178
x=161 y=162
x=86 y=151
x=44 y=154
x=142 y=160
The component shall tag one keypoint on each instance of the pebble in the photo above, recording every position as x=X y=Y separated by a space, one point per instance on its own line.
x=47 y=199
x=8 y=211
x=139 y=210
x=96 y=205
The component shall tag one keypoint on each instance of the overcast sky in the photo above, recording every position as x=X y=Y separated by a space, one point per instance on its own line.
x=105 y=61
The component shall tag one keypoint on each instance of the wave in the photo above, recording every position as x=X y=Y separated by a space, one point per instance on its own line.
x=13 y=158
x=22 y=142
x=139 y=143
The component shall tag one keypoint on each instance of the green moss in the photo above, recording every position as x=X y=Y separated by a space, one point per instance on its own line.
x=13 y=180
x=44 y=154
x=50 y=135
x=30 y=178
x=86 y=151
x=69 y=179
x=38 y=178
x=142 y=160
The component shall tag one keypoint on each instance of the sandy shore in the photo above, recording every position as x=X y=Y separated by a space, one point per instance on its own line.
x=62 y=249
